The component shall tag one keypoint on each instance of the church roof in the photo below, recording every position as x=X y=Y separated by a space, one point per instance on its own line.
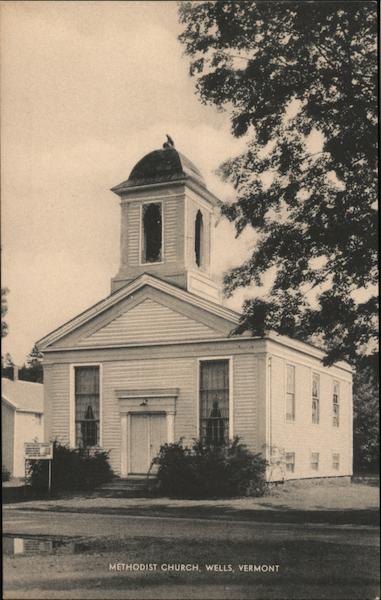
x=160 y=166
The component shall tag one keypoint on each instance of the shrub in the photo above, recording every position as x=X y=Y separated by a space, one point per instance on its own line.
x=72 y=469
x=5 y=474
x=205 y=471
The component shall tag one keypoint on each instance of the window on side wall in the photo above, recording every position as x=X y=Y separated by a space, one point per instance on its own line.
x=335 y=461
x=86 y=406
x=290 y=462
x=315 y=398
x=152 y=232
x=315 y=461
x=214 y=401
x=336 y=404
x=290 y=393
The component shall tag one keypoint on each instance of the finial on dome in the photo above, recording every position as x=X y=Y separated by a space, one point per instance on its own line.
x=169 y=143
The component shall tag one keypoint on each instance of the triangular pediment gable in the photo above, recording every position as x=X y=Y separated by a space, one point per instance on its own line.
x=149 y=321
x=144 y=312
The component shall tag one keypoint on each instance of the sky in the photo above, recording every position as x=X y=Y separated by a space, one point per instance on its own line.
x=88 y=88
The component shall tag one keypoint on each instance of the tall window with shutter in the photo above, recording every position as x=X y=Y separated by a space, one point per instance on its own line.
x=214 y=401
x=290 y=393
x=315 y=398
x=86 y=406
x=336 y=404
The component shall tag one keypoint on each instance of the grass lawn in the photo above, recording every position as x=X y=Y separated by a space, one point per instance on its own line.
x=328 y=497
x=313 y=570
x=331 y=560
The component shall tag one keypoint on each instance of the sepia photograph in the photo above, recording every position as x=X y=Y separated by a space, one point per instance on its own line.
x=189 y=308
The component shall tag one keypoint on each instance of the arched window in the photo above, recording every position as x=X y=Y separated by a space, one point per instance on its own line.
x=152 y=228
x=198 y=239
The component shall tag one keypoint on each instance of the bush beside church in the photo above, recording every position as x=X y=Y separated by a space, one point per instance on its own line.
x=76 y=469
x=210 y=471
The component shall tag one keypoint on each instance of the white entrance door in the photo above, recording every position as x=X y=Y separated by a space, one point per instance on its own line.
x=148 y=432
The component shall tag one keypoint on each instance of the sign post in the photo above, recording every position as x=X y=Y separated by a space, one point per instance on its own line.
x=40 y=451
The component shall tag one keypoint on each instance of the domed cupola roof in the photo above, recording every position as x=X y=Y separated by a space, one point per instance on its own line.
x=161 y=166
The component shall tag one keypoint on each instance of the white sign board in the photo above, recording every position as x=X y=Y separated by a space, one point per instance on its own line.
x=38 y=451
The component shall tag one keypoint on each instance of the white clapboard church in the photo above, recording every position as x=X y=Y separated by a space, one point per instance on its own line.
x=155 y=362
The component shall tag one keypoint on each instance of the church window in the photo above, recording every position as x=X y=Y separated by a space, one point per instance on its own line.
x=290 y=393
x=315 y=461
x=214 y=402
x=152 y=232
x=290 y=462
x=335 y=461
x=315 y=398
x=198 y=239
x=87 y=406
x=336 y=404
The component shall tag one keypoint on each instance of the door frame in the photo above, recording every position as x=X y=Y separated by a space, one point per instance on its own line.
x=162 y=401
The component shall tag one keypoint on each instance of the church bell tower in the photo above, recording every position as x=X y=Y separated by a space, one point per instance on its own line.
x=167 y=214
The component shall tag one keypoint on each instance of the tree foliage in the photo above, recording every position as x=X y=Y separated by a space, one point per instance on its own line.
x=366 y=425
x=300 y=82
x=7 y=366
x=4 y=310
x=32 y=370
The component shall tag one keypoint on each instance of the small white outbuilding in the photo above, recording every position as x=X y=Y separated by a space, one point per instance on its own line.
x=21 y=421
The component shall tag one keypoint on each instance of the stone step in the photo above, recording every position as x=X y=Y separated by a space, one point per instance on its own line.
x=126 y=488
x=123 y=488
x=126 y=483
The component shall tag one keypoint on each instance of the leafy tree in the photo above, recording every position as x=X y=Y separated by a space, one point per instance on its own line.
x=32 y=370
x=8 y=362
x=7 y=366
x=34 y=356
x=4 y=310
x=366 y=433
x=290 y=73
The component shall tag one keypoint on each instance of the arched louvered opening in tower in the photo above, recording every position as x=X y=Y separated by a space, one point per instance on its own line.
x=198 y=239
x=152 y=232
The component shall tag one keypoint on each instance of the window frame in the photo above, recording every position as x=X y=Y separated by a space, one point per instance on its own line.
x=336 y=415
x=141 y=233
x=288 y=364
x=312 y=453
x=335 y=462
x=318 y=397
x=287 y=463
x=72 y=436
x=230 y=396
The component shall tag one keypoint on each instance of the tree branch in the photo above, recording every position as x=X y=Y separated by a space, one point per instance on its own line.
x=332 y=65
